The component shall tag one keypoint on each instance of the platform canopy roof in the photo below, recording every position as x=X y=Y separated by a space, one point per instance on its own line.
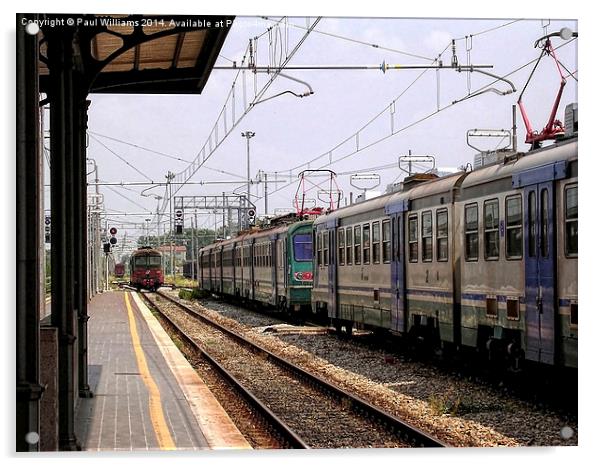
x=138 y=54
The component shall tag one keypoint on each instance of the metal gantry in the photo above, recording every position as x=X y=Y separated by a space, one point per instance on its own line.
x=226 y=203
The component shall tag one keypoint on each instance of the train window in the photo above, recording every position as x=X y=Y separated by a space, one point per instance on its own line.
x=302 y=247
x=326 y=258
x=442 y=245
x=512 y=309
x=491 y=306
x=544 y=218
x=471 y=232
x=427 y=236
x=376 y=242
x=514 y=227
x=366 y=243
x=570 y=219
x=348 y=240
x=341 y=246
x=532 y=209
x=412 y=238
x=491 y=213
x=386 y=241
x=319 y=247
x=574 y=314
x=154 y=261
x=357 y=242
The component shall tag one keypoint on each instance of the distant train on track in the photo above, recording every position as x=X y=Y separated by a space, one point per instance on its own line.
x=146 y=270
x=483 y=260
x=119 y=270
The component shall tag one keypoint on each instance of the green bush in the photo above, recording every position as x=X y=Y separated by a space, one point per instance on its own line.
x=189 y=295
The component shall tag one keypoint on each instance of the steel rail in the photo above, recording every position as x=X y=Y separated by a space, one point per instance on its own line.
x=287 y=434
x=407 y=432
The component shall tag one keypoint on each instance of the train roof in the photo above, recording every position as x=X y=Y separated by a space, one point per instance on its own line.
x=146 y=251
x=424 y=189
x=277 y=229
x=354 y=209
x=564 y=150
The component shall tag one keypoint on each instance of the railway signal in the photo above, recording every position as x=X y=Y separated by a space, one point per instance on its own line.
x=179 y=221
x=113 y=239
x=47 y=229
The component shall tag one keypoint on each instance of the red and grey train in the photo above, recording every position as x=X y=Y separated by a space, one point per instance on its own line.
x=146 y=270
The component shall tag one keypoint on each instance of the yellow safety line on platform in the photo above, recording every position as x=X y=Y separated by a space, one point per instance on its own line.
x=154 y=396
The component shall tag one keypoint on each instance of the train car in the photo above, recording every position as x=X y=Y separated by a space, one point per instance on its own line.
x=351 y=271
x=517 y=247
x=146 y=270
x=119 y=270
x=271 y=267
x=483 y=260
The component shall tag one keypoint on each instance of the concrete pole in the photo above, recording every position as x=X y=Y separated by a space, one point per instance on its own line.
x=265 y=192
x=171 y=245
x=196 y=245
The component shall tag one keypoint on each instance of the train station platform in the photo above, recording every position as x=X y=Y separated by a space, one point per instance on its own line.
x=146 y=394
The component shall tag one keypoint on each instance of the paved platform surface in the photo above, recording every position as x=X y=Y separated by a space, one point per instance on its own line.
x=146 y=395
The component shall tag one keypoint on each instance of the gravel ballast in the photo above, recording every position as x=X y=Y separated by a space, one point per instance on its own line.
x=460 y=412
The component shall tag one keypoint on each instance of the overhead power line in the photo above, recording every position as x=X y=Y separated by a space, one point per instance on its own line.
x=120 y=157
x=359 y=42
x=213 y=142
x=420 y=120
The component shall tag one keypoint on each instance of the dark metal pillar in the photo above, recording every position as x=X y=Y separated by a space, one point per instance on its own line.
x=29 y=192
x=82 y=242
x=61 y=145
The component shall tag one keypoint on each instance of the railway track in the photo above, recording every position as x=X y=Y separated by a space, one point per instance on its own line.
x=305 y=410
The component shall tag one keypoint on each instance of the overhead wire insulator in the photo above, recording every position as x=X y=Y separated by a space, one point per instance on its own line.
x=468 y=61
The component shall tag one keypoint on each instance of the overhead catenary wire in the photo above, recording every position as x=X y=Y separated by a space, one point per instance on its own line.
x=129 y=200
x=357 y=41
x=252 y=57
x=435 y=60
x=197 y=163
x=416 y=122
x=154 y=151
x=120 y=157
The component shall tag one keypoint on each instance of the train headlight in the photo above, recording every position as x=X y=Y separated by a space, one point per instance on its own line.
x=304 y=276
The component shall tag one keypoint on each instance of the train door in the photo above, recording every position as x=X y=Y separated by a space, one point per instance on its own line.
x=252 y=267
x=332 y=272
x=220 y=271
x=540 y=272
x=398 y=311
x=274 y=268
x=396 y=211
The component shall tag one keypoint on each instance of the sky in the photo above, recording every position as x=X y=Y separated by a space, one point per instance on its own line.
x=291 y=131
